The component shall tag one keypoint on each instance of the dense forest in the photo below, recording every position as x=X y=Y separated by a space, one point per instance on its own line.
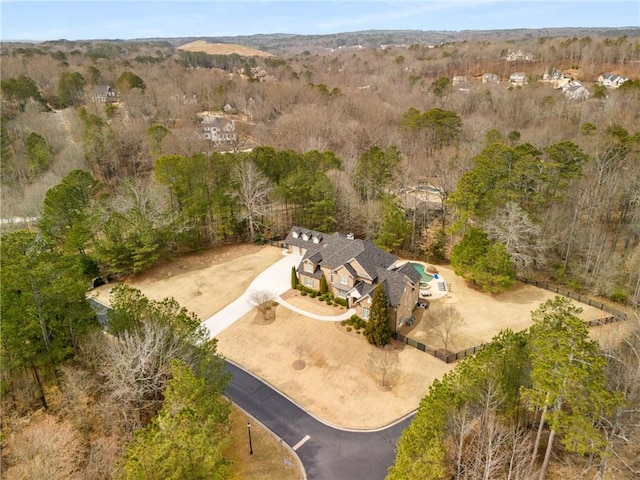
x=335 y=134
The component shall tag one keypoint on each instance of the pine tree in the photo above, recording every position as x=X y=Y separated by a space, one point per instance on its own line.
x=378 y=331
x=188 y=437
x=294 y=278
x=567 y=380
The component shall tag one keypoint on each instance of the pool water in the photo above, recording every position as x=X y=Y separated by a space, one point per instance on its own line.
x=426 y=278
x=429 y=188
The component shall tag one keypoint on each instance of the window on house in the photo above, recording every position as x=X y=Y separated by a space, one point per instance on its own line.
x=343 y=279
x=342 y=293
x=308 y=267
x=365 y=312
x=331 y=277
x=308 y=282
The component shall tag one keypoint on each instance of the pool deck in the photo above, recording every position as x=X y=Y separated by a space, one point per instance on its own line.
x=432 y=291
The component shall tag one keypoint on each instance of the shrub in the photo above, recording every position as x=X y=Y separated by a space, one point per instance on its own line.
x=349 y=329
x=303 y=293
x=329 y=301
x=575 y=284
x=619 y=295
x=341 y=301
x=343 y=322
x=313 y=294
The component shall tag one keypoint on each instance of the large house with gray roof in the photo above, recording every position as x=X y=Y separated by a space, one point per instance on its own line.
x=352 y=269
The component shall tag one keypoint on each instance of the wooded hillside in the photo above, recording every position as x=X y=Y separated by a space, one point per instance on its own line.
x=431 y=149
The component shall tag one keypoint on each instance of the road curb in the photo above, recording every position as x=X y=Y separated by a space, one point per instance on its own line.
x=318 y=419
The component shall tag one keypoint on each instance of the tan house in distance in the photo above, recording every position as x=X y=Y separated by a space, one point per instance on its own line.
x=353 y=268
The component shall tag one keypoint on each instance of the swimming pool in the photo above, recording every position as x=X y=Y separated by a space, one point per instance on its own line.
x=426 y=278
x=428 y=188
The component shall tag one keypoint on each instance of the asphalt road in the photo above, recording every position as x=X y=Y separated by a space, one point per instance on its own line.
x=328 y=453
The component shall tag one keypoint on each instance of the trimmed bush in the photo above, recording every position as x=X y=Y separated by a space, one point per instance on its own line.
x=341 y=301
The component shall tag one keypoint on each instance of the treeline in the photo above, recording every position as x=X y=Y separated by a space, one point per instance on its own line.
x=225 y=62
x=530 y=397
x=500 y=158
x=103 y=406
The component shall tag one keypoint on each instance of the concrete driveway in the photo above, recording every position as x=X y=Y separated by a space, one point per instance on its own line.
x=276 y=279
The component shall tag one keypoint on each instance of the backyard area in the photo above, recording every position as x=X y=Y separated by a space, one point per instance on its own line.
x=319 y=364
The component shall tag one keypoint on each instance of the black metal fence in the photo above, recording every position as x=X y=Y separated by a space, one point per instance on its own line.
x=448 y=357
x=576 y=296
x=275 y=243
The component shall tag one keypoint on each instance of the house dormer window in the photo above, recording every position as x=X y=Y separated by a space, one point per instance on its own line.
x=305 y=237
x=295 y=234
x=308 y=267
x=316 y=240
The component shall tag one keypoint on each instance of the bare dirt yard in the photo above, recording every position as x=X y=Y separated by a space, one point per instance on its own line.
x=319 y=364
x=483 y=314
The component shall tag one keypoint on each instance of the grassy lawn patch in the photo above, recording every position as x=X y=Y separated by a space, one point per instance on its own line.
x=270 y=459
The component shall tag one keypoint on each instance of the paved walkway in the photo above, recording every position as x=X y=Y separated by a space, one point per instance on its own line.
x=325 y=318
x=276 y=280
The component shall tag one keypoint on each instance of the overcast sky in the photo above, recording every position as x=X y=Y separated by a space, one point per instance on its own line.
x=85 y=20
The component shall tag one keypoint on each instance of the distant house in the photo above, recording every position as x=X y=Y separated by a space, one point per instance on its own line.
x=459 y=80
x=490 y=78
x=552 y=74
x=352 y=269
x=217 y=129
x=611 y=80
x=518 y=78
x=518 y=56
x=575 y=91
x=102 y=94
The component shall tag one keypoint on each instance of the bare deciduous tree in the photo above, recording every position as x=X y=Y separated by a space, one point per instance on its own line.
x=484 y=446
x=252 y=191
x=520 y=236
x=262 y=300
x=382 y=362
x=136 y=368
x=47 y=449
x=300 y=350
x=200 y=283
x=446 y=325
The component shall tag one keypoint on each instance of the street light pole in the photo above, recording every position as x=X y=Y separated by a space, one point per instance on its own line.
x=250 y=445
